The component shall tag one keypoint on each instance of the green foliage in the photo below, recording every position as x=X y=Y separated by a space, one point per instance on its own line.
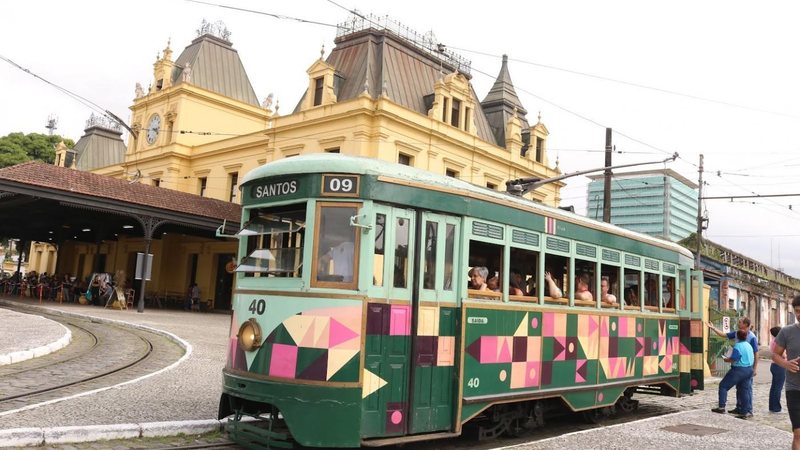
x=17 y=148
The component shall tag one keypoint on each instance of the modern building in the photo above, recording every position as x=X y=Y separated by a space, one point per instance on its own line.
x=660 y=203
x=383 y=92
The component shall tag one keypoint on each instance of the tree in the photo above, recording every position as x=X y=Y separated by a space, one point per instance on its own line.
x=17 y=148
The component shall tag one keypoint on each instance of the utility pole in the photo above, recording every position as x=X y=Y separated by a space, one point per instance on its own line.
x=699 y=215
x=607 y=180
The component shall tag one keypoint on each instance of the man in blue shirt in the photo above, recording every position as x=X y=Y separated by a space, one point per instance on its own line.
x=742 y=324
x=740 y=375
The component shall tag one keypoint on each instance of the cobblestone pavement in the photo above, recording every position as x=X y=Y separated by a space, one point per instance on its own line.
x=104 y=355
x=707 y=399
x=695 y=410
x=191 y=390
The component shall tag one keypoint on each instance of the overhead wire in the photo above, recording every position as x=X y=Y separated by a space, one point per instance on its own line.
x=102 y=110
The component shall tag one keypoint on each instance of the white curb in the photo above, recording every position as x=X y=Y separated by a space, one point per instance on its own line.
x=21 y=437
x=90 y=433
x=159 y=429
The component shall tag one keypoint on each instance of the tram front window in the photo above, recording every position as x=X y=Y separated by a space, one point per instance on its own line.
x=275 y=239
x=336 y=245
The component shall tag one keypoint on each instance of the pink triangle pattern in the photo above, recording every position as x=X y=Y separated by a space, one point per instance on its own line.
x=578 y=366
x=684 y=350
x=505 y=343
x=560 y=350
x=604 y=327
x=339 y=334
x=666 y=364
x=308 y=339
x=593 y=326
x=675 y=345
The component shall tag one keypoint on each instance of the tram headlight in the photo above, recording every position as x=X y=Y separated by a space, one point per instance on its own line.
x=249 y=335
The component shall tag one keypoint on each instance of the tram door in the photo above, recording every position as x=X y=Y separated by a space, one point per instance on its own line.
x=434 y=328
x=387 y=347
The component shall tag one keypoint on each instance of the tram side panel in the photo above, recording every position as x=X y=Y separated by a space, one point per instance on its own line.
x=517 y=351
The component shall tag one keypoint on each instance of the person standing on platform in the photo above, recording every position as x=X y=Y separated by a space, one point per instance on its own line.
x=739 y=375
x=742 y=324
x=195 y=293
x=788 y=340
x=778 y=376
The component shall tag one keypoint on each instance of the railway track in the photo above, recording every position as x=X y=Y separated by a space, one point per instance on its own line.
x=101 y=355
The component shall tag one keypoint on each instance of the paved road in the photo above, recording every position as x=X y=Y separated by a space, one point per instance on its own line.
x=190 y=391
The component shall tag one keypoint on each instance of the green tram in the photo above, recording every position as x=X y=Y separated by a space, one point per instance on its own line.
x=354 y=324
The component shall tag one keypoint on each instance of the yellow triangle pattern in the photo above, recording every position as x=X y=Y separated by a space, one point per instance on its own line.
x=298 y=326
x=372 y=383
x=337 y=358
x=650 y=366
x=522 y=329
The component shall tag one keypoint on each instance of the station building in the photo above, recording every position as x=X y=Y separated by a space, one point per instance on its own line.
x=383 y=92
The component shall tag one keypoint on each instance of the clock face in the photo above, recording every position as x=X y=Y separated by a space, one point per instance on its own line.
x=153 y=128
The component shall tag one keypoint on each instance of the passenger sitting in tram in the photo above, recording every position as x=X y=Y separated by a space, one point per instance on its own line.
x=632 y=295
x=518 y=282
x=552 y=288
x=477 y=278
x=582 y=291
x=514 y=288
x=493 y=284
x=604 y=295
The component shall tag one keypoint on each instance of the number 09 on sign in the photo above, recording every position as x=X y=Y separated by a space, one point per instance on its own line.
x=340 y=185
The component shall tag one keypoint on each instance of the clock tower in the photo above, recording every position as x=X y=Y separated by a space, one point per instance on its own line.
x=201 y=97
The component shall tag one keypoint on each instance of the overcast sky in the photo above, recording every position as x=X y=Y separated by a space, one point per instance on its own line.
x=713 y=77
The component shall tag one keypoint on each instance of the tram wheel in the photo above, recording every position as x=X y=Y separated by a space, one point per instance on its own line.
x=596 y=415
x=627 y=404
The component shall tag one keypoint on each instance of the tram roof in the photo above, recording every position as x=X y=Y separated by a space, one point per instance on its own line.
x=338 y=163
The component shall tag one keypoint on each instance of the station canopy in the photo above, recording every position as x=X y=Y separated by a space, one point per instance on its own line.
x=47 y=203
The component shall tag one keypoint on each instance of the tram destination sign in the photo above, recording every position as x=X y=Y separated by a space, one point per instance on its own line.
x=340 y=185
x=274 y=189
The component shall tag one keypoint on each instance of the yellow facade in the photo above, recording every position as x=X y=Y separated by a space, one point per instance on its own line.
x=206 y=142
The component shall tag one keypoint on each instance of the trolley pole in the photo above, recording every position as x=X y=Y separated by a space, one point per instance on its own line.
x=607 y=180
x=699 y=215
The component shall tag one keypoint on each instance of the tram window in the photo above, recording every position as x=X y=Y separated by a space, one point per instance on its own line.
x=609 y=276
x=275 y=238
x=558 y=268
x=401 y=266
x=336 y=245
x=379 y=258
x=683 y=287
x=668 y=292
x=523 y=271
x=429 y=270
x=449 y=255
x=584 y=283
x=483 y=254
x=651 y=289
x=631 y=292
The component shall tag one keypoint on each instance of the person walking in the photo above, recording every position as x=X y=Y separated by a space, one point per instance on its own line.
x=788 y=340
x=739 y=375
x=742 y=324
x=778 y=376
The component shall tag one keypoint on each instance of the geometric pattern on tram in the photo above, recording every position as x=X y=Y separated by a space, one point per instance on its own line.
x=317 y=344
x=562 y=349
